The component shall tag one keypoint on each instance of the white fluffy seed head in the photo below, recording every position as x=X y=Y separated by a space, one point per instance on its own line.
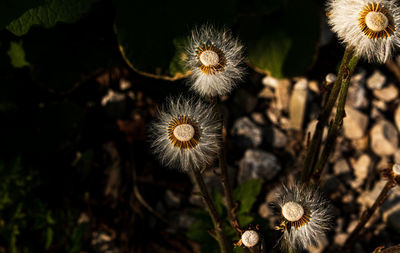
x=372 y=27
x=396 y=169
x=315 y=221
x=376 y=21
x=292 y=211
x=215 y=58
x=184 y=132
x=199 y=134
x=209 y=58
x=250 y=238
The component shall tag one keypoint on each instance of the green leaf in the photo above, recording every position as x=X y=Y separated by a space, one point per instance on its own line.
x=245 y=219
x=11 y=9
x=49 y=14
x=17 y=55
x=151 y=34
x=285 y=43
x=246 y=194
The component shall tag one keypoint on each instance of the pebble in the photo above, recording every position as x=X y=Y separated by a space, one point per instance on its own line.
x=361 y=168
x=376 y=80
x=384 y=138
x=355 y=123
x=341 y=167
x=275 y=137
x=258 y=164
x=258 y=117
x=360 y=144
x=397 y=117
x=387 y=94
x=298 y=104
x=270 y=81
x=266 y=92
x=282 y=93
x=357 y=96
x=247 y=133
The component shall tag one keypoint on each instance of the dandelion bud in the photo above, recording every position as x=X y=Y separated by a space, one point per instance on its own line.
x=186 y=134
x=371 y=27
x=330 y=78
x=215 y=58
x=250 y=238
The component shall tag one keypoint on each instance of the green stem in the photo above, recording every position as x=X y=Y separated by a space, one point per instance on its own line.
x=219 y=233
x=340 y=114
x=368 y=213
x=314 y=147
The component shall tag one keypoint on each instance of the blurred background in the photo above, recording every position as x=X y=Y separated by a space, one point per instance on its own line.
x=81 y=80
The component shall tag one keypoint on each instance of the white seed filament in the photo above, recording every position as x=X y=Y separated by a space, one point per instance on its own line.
x=376 y=21
x=209 y=58
x=250 y=238
x=184 y=132
x=292 y=211
x=396 y=169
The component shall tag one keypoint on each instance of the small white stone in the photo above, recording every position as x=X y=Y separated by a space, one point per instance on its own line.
x=376 y=80
x=184 y=132
x=250 y=238
x=292 y=211
x=209 y=58
x=396 y=169
x=376 y=21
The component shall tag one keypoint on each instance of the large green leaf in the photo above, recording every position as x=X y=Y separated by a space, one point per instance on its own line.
x=151 y=34
x=17 y=55
x=50 y=13
x=246 y=194
x=12 y=9
x=285 y=42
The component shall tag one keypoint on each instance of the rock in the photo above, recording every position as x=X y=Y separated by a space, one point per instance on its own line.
x=247 y=133
x=360 y=144
x=298 y=104
x=275 y=137
x=341 y=167
x=358 y=77
x=397 y=117
x=355 y=123
x=384 y=139
x=391 y=209
x=376 y=80
x=258 y=164
x=367 y=198
x=258 y=118
x=266 y=93
x=397 y=156
x=376 y=114
x=314 y=86
x=379 y=104
x=340 y=238
x=357 y=96
x=270 y=81
x=322 y=244
x=282 y=93
x=272 y=115
x=387 y=94
x=361 y=168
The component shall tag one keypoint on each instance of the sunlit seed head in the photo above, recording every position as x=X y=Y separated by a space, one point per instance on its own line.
x=376 y=21
x=250 y=238
x=184 y=132
x=396 y=169
x=292 y=211
x=209 y=58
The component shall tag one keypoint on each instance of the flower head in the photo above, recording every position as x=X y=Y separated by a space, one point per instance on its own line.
x=370 y=26
x=215 y=58
x=250 y=238
x=305 y=216
x=186 y=134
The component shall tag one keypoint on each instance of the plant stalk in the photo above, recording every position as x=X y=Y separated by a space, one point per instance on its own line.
x=314 y=147
x=368 y=213
x=336 y=125
x=219 y=233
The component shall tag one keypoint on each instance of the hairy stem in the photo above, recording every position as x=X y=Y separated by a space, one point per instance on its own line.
x=314 y=147
x=367 y=214
x=219 y=233
x=340 y=114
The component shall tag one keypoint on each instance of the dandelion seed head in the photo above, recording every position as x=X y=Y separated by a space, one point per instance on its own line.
x=215 y=58
x=370 y=26
x=186 y=133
